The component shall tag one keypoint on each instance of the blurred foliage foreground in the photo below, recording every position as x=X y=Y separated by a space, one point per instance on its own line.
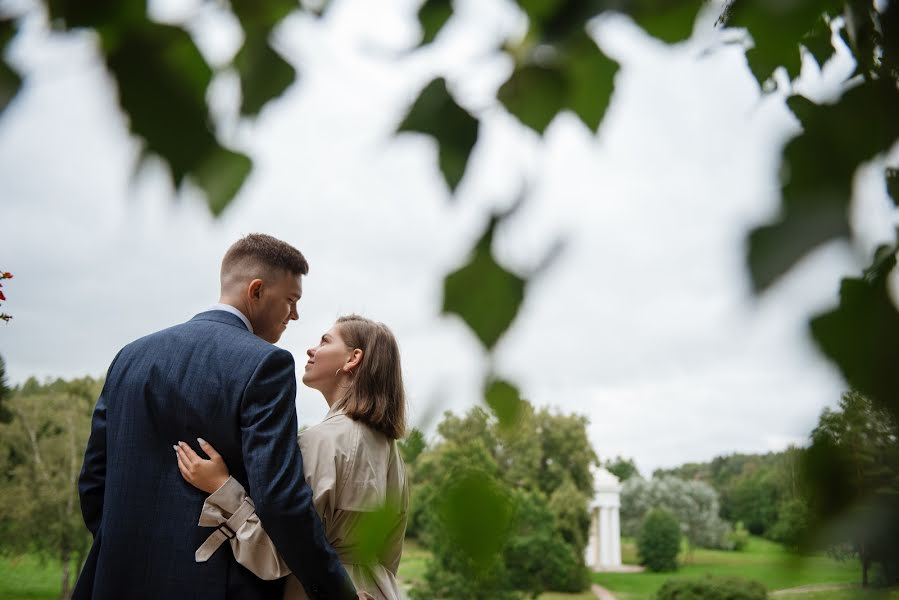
x=162 y=80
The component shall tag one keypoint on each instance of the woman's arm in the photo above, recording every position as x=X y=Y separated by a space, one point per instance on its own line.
x=250 y=544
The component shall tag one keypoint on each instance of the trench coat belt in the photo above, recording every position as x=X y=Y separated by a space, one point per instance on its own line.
x=225 y=531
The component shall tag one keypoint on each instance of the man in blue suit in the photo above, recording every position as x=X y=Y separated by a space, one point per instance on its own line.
x=219 y=377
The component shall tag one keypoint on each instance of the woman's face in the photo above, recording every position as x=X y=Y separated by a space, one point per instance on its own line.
x=325 y=360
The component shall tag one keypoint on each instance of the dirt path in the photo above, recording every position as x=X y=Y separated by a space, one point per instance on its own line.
x=807 y=589
x=601 y=592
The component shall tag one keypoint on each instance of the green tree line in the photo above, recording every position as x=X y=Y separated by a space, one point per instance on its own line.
x=840 y=492
x=760 y=491
x=41 y=450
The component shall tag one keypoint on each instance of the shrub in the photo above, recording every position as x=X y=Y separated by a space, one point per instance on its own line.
x=694 y=504
x=739 y=537
x=659 y=541
x=792 y=523
x=712 y=588
x=537 y=556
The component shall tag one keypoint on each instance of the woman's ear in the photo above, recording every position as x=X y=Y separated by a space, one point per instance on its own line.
x=354 y=359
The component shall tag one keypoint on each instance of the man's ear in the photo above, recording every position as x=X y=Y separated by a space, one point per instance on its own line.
x=254 y=290
x=354 y=359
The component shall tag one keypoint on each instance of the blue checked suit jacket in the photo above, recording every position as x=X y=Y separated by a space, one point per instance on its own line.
x=209 y=378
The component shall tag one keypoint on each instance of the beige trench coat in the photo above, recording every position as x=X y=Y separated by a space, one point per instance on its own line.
x=359 y=487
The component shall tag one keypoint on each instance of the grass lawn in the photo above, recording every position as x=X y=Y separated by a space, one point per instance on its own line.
x=27 y=578
x=412 y=566
x=763 y=561
x=844 y=595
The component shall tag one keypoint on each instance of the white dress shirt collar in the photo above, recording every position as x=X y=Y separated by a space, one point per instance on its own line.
x=235 y=312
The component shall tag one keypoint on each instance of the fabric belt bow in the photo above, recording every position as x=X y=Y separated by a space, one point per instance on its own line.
x=225 y=531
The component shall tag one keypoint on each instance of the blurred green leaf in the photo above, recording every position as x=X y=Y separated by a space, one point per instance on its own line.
x=820 y=165
x=828 y=473
x=553 y=21
x=373 y=534
x=221 y=176
x=860 y=33
x=477 y=515
x=889 y=25
x=849 y=472
x=668 y=20
x=892 y=176
x=483 y=293
x=10 y=81
x=540 y=10
x=432 y=16
x=264 y=75
x=505 y=401
x=581 y=79
x=162 y=81
x=435 y=113
x=535 y=95
x=774 y=249
x=163 y=78
x=97 y=14
x=261 y=16
x=818 y=41
x=776 y=27
x=860 y=334
x=591 y=76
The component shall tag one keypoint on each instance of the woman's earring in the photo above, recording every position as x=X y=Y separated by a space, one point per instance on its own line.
x=337 y=373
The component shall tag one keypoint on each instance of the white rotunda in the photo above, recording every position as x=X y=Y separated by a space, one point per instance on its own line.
x=604 y=542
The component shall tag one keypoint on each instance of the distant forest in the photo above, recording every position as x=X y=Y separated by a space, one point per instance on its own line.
x=761 y=491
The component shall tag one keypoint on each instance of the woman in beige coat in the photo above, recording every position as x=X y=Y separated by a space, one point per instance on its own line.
x=351 y=462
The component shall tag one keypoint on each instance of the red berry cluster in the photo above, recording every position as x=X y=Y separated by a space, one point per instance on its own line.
x=4 y=275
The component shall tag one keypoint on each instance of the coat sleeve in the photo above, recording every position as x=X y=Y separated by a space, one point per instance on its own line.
x=322 y=453
x=276 y=481
x=251 y=545
x=92 y=480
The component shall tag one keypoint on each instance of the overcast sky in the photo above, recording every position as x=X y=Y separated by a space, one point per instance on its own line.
x=646 y=323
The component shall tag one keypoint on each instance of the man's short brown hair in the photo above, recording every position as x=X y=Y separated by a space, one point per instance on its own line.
x=258 y=254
